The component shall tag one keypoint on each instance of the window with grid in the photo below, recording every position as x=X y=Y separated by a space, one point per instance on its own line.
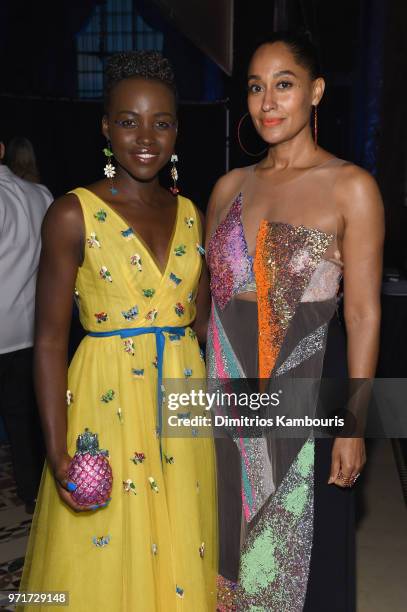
x=114 y=26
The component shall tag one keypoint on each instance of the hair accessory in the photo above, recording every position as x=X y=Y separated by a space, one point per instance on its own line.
x=109 y=169
x=315 y=106
x=174 y=174
x=240 y=141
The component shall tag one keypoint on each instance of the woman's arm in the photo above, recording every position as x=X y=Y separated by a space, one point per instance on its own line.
x=61 y=254
x=362 y=246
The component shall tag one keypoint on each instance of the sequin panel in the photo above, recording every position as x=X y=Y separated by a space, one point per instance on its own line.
x=275 y=560
x=228 y=259
x=324 y=282
x=305 y=349
x=286 y=258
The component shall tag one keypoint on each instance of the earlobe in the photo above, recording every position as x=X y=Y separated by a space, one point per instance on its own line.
x=105 y=127
x=2 y=151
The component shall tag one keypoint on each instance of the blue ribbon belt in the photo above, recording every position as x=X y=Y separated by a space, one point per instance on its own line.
x=160 y=344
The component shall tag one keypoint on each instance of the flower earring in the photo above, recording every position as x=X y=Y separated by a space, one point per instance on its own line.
x=174 y=175
x=109 y=169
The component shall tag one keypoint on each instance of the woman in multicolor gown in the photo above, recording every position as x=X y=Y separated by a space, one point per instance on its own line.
x=281 y=234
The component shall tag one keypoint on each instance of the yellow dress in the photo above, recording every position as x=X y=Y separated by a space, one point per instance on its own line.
x=154 y=547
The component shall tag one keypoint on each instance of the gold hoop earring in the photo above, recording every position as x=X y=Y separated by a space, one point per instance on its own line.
x=240 y=141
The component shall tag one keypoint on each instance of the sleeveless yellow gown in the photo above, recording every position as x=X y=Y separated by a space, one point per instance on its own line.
x=154 y=547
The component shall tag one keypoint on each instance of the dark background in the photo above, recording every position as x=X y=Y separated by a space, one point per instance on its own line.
x=363 y=54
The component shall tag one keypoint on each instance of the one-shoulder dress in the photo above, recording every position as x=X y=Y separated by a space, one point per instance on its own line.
x=286 y=536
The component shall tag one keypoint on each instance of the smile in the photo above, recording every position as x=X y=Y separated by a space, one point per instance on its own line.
x=145 y=158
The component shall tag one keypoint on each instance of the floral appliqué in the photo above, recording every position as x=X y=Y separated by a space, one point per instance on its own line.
x=188 y=372
x=108 y=396
x=148 y=293
x=101 y=541
x=93 y=241
x=138 y=458
x=129 y=486
x=101 y=317
x=127 y=233
x=152 y=315
x=200 y=249
x=105 y=274
x=153 y=484
x=130 y=314
x=101 y=215
x=69 y=397
x=138 y=373
x=180 y=250
x=135 y=260
x=175 y=280
x=189 y=221
x=129 y=346
x=179 y=309
x=179 y=591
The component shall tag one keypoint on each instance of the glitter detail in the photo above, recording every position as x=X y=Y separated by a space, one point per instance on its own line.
x=286 y=257
x=179 y=591
x=201 y=550
x=93 y=241
x=276 y=556
x=305 y=349
x=200 y=249
x=226 y=600
x=189 y=221
x=228 y=259
x=187 y=372
x=324 y=282
x=154 y=549
x=108 y=396
x=120 y=415
x=69 y=397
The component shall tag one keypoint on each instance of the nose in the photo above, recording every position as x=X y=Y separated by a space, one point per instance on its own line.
x=269 y=101
x=145 y=134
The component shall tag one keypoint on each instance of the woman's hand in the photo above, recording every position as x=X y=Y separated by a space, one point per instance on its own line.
x=60 y=468
x=348 y=460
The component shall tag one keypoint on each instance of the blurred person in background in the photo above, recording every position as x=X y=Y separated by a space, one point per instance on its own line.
x=22 y=208
x=21 y=159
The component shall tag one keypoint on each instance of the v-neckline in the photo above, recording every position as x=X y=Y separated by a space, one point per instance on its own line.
x=143 y=243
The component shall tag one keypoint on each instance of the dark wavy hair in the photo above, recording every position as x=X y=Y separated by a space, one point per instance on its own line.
x=144 y=64
x=300 y=43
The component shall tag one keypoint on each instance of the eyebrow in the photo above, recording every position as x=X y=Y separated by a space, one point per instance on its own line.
x=159 y=114
x=280 y=73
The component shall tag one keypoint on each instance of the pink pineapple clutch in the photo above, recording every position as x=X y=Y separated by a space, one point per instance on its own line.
x=90 y=471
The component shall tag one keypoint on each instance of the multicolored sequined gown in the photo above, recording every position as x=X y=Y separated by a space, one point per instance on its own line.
x=154 y=547
x=275 y=270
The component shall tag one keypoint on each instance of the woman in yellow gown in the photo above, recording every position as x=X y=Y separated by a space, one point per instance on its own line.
x=131 y=252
